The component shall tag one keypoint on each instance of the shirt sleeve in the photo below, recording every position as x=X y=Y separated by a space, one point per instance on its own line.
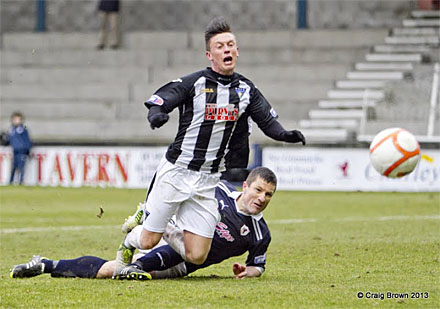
x=260 y=110
x=27 y=139
x=257 y=254
x=174 y=93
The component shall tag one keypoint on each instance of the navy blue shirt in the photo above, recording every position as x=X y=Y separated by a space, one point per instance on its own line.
x=236 y=233
x=108 y=5
x=19 y=139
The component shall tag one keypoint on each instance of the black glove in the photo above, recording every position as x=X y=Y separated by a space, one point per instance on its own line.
x=294 y=136
x=157 y=118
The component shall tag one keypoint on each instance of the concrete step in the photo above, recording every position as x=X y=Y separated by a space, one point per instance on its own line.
x=416 y=40
x=92 y=130
x=320 y=38
x=320 y=123
x=386 y=66
x=86 y=41
x=63 y=109
x=336 y=114
x=421 y=23
x=425 y=14
x=414 y=31
x=379 y=75
x=346 y=104
x=356 y=94
x=396 y=57
x=89 y=92
x=293 y=72
x=327 y=135
x=400 y=49
x=71 y=75
x=288 y=91
x=363 y=84
x=84 y=58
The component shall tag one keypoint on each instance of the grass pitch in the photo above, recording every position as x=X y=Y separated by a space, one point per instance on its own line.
x=326 y=248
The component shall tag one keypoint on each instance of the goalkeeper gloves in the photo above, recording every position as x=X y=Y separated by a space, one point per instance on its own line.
x=157 y=118
x=293 y=136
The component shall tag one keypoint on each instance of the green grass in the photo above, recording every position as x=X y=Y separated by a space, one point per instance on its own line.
x=345 y=243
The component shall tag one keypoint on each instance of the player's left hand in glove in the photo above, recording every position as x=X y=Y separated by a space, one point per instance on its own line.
x=294 y=136
x=157 y=118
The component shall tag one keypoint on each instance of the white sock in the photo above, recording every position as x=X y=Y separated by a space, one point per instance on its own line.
x=174 y=237
x=173 y=272
x=132 y=240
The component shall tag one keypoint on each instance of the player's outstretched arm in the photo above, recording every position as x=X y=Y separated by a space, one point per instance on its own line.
x=242 y=271
x=276 y=131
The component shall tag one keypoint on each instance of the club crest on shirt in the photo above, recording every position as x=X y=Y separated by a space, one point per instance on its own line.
x=223 y=232
x=228 y=113
x=244 y=230
x=155 y=99
x=240 y=92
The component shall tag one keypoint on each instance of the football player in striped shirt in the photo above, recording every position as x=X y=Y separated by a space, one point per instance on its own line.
x=241 y=229
x=210 y=103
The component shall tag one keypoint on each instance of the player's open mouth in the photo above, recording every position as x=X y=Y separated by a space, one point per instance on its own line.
x=227 y=60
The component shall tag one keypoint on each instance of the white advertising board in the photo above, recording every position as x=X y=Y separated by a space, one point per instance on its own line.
x=123 y=167
x=344 y=169
x=320 y=169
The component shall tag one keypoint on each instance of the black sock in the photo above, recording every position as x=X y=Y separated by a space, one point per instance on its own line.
x=159 y=259
x=82 y=267
x=49 y=265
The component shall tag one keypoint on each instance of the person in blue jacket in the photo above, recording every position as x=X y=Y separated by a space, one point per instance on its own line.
x=18 y=138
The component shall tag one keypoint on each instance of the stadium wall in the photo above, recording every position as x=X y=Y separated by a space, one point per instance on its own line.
x=304 y=169
x=184 y=15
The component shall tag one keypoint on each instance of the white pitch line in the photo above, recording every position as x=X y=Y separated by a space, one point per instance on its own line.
x=283 y=221
x=57 y=228
x=289 y=221
x=356 y=219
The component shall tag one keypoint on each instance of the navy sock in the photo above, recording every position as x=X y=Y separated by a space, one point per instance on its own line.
x=82 y=267
x=49 y=265
x=159 y=259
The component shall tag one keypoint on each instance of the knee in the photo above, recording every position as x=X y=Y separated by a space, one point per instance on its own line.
x=146 y=243
x=149 y=240
x=195 y=258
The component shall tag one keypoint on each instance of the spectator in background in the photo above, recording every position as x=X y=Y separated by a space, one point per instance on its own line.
x=109 y=12
x=21 y=144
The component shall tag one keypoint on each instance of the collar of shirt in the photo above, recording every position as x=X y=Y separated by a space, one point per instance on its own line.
x=235 y=195
x=223 y=79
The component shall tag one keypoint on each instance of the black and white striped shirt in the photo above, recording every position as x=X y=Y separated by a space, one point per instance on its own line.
x=210 y=105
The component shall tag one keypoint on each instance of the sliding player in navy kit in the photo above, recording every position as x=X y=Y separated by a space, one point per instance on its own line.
x=210 y=103
x=241 y=229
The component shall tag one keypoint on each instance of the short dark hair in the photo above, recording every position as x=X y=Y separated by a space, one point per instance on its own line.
x=264 y=173
x=216 y=26
x=17 y=114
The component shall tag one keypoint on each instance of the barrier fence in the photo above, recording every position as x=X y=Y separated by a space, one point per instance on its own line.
x=317 y=169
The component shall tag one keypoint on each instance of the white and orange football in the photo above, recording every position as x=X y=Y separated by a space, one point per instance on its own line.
x=394 y=152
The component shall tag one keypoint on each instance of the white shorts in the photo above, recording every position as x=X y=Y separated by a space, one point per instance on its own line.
x=188 y=194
